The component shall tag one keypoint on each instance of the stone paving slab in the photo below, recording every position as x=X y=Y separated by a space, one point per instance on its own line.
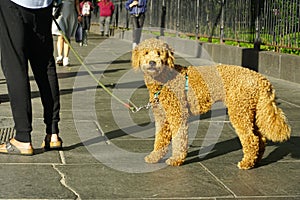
x=106 y=183
x=32 y=181
x=104 y=144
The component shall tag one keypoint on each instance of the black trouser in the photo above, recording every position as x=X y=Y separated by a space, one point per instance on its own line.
x=25 y=35
x=86 y=22
x=137 y=23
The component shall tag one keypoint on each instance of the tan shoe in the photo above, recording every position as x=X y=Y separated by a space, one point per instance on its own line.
x=52 y=145
x=9 y=148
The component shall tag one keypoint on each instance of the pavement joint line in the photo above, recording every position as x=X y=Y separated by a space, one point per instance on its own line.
x=62 y=157
x=298 y=106
x=269 y=196
x=288 y=161
x=218 y=180
x=107 y=141
x=64 y=183
x=181 y=198
x=12 y=163
x=99 y=127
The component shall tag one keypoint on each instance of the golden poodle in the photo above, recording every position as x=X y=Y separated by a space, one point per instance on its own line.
x=176 y=92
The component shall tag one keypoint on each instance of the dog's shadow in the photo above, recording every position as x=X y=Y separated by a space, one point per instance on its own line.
x=215 y=150
x=282 y=150
x=222 y=148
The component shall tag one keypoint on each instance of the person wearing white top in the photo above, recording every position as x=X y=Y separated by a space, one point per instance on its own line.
x=33 y=4
x=25 y=36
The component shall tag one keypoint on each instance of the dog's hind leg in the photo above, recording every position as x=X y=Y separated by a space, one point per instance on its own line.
x=262 y=144
x=252 y=143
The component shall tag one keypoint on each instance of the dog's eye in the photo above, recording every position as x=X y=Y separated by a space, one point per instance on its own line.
x=158 y=53
x=146 y=52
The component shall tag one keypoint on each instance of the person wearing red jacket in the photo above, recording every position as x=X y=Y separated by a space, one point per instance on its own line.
x=106 y=11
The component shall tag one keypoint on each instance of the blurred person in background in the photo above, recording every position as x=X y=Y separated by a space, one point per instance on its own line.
x=86 y=8
x=67 y=20
x=106 y=8
x=137 y=10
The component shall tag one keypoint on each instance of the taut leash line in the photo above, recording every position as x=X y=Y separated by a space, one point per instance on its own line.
x=132 y=108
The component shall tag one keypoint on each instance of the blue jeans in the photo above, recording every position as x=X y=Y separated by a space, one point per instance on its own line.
x=137 y=23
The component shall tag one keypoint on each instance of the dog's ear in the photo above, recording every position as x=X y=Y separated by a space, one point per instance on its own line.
x=135 y=59
x=170 y=55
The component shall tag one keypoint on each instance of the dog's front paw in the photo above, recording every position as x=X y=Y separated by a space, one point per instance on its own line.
x=245 y=165
x=174 y=162
x=153 y=157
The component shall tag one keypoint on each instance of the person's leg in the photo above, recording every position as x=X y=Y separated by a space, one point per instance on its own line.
x=84 y=37
x=107 y=23
x=84 y=29
x=102 y=21
x=135 y=25
x=140 y=24
x=84 y=22
x=13 y=39
x=44 y=70
x=66 y=48
x=43 y=67
x=88 y=23
x=60 y=47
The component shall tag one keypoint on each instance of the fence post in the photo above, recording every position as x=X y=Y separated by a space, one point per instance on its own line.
x=178 y=17
x=151 y=15
x=222 y=21
x=197 y=20
x=257 y=40
x=163 y=18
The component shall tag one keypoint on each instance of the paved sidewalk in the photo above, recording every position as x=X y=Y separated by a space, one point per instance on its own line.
x=104 y=144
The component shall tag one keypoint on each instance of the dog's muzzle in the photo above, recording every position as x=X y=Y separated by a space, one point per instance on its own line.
x=151 y=66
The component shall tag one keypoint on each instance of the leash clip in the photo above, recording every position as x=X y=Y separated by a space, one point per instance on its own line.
x=135 y=109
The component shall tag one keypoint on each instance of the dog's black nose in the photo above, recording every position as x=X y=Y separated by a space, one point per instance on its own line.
x=152 y=63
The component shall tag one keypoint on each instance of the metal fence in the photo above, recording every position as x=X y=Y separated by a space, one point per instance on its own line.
x=268 y=22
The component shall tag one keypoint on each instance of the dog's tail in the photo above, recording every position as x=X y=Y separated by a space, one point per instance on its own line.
x=270 y=119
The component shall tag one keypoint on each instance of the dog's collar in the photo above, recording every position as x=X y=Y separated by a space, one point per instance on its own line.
x=186 y=88
x=156 y=94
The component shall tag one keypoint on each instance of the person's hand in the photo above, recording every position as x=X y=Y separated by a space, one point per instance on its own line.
x=134 y=3
x=79 y=18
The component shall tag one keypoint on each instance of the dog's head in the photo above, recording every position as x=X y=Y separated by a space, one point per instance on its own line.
x=152 y=56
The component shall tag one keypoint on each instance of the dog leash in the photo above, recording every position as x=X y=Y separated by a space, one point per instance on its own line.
x=130 y=106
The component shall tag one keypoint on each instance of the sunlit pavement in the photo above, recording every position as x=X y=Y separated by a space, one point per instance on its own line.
x=104 y=143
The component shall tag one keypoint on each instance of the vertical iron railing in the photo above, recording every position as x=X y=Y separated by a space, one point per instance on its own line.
x=275 y=22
